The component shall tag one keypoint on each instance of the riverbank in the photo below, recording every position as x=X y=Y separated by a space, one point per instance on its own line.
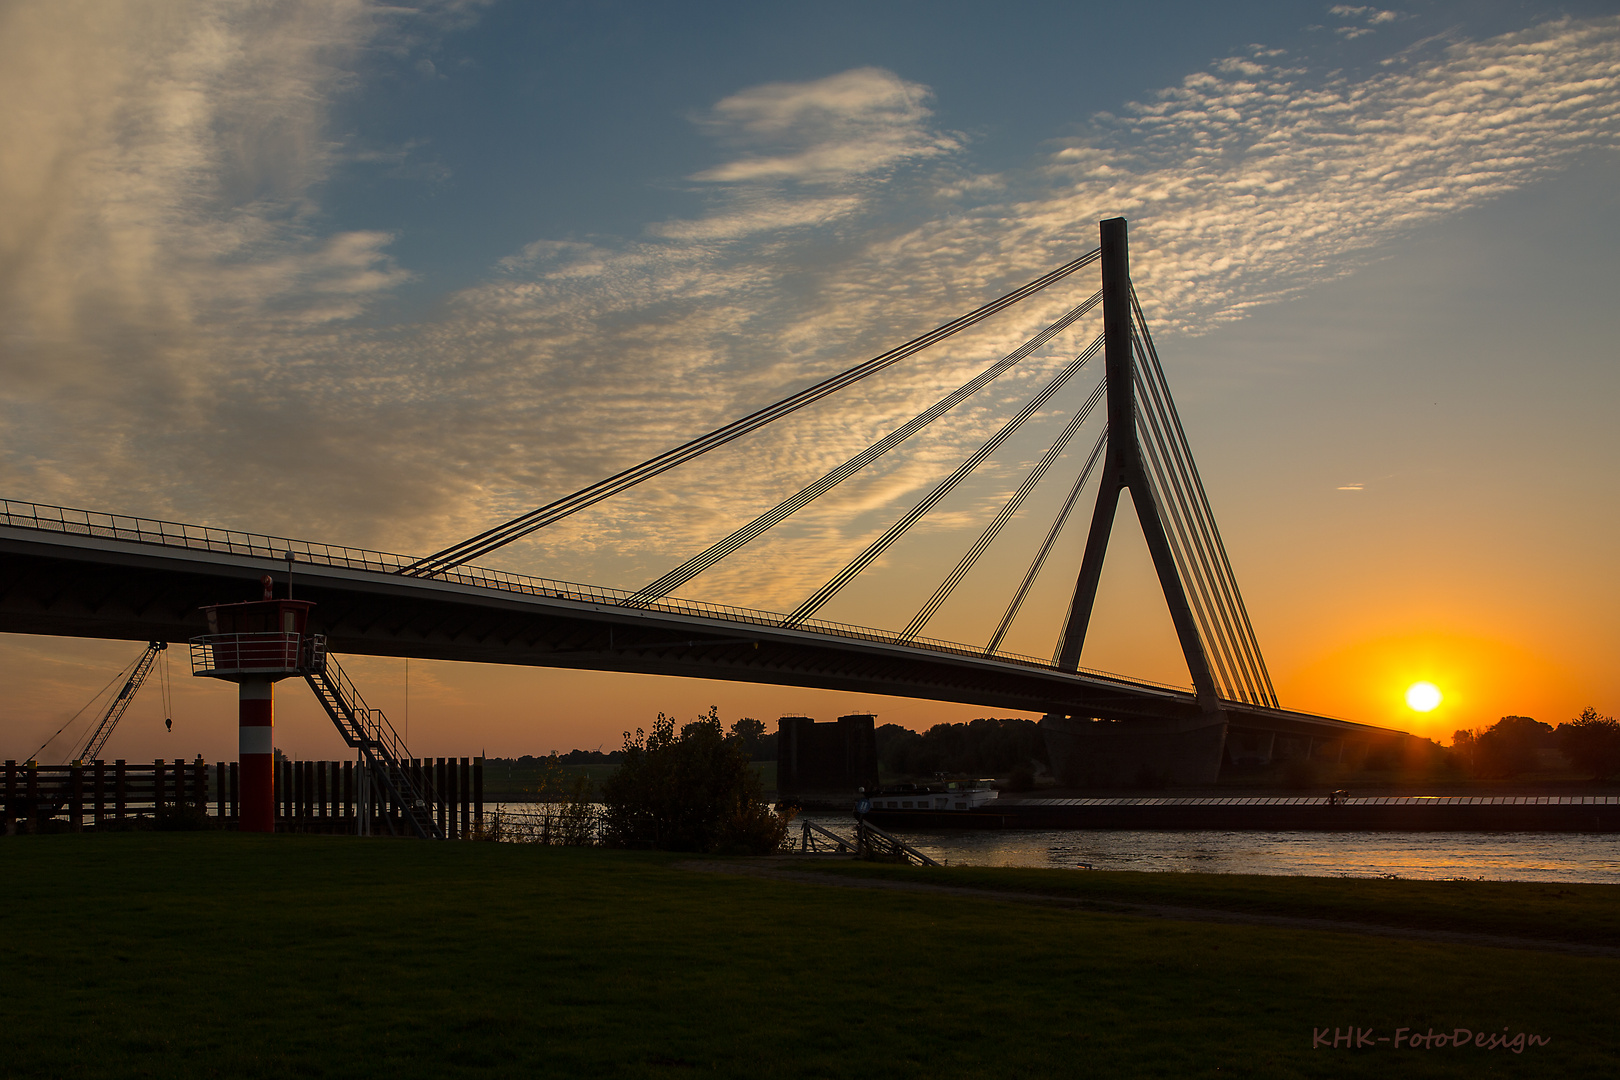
x=180 y=955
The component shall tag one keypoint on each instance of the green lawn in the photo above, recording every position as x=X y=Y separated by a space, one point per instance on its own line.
x=177 y=955
x=1558 y=911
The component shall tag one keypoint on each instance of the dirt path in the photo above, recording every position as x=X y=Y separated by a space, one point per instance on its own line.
x=776 y=871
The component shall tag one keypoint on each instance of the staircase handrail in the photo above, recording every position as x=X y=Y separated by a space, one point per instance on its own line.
x=899 y=846
x=379 y=742
x=809 y=843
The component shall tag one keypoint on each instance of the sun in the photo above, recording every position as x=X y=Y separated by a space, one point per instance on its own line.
x=1423 y=696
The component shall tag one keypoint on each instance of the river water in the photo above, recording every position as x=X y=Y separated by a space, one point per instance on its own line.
x=1593 y=857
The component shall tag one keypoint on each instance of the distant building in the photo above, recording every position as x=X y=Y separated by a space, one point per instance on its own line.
x=830 y=759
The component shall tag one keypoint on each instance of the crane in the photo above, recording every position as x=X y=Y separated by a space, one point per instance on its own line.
x=115 y=710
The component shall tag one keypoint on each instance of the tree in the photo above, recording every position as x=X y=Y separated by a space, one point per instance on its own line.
x=749 y=735
x=695 y=790
x=1592 y=743
x=1508 y=747
x=983 y=747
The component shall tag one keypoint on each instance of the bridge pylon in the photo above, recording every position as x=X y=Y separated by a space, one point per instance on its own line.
x=1124 y=468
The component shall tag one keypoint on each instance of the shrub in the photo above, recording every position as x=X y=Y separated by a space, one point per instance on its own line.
x=563 y=813
x=689 y=791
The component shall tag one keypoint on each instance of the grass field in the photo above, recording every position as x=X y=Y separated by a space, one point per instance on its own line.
x=1574 y=912
x=197 y=954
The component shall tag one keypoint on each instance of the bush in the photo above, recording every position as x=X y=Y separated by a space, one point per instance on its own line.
x=563 y=814
x=691 y=791
x=1592 y=743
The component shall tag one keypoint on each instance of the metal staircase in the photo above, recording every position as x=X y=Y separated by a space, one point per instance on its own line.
x=368 y=730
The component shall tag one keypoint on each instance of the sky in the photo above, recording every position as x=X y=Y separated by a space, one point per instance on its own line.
x=386 y=275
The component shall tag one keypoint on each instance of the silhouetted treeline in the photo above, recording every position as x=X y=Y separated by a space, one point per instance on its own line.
x=1515 y=745
x=978 y=748
x=749 y=735
x=573 y=757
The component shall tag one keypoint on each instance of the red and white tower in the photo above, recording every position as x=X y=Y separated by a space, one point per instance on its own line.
x=255 y=644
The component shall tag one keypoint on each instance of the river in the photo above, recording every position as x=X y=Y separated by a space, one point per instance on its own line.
x=1590 y=857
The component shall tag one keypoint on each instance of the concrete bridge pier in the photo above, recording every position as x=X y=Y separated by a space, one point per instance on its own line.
x=1135 y=753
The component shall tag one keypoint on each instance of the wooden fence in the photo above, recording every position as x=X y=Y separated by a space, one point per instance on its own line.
x=311 y=796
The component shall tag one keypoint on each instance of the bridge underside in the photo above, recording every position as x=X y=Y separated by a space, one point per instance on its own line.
x=84 y=586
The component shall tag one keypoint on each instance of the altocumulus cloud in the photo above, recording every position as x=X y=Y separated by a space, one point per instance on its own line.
x=841 y=217
x=155 y=220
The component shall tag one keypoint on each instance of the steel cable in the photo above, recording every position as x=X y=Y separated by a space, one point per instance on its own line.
x=1206 y=538
x=1174 y=513
x=899 y=528
x=1234 y=595
x=787 y=507
x=552 y=512
x=1047 y=544
x=1192 y=553
x=991 y=531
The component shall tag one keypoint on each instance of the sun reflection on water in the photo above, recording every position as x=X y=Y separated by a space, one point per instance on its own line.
x=1591 y=857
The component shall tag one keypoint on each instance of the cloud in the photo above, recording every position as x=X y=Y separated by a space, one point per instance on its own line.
x=1247 y=183
x=1371 y=17
x=856 y=123
x=164 y=281
x=159 y=188
x=1245 y=186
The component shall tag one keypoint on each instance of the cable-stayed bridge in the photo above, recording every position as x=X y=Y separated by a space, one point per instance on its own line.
x=83 y=573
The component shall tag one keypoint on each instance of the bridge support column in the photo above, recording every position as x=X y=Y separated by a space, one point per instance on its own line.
x=1135 y=753
x=257 y=811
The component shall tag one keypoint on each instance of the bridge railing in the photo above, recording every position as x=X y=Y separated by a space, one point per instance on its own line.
x=139 y=530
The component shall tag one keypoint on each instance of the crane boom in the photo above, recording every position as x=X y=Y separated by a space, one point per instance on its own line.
x=115 y=711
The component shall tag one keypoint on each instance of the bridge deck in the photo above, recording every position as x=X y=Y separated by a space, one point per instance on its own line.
x=82 y=573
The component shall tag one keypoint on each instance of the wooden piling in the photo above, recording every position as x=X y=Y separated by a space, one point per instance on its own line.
x=120 y=789
x=11 y=797
x=76 y=797
x=466 y=798
x=478 y=796
x=349 y=795
x=438 y=787
x=101 y=793
x=33 y=797
x=236 y=804
x=452 y=783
